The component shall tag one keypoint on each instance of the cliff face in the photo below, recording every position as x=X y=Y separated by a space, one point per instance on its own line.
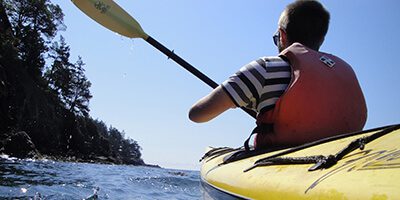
x=38 y=116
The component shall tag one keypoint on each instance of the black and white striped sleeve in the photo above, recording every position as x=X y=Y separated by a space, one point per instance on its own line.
x=258 y=83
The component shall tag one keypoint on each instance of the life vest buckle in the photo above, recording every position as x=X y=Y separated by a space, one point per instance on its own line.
x=327 y=61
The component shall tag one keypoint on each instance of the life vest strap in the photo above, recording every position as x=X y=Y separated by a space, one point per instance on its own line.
x=262 y=128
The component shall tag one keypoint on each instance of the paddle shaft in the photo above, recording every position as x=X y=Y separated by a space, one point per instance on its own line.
x=189 y=68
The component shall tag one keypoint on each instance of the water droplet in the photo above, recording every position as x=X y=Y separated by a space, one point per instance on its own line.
x=37 y=196
x=24 y=190
x=121 y=37
x=132 y=47
x=80 y=185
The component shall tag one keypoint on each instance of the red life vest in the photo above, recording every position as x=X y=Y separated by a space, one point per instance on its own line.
x=323 y=99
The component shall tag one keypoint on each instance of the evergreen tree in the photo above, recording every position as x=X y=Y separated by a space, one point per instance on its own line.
x=49 y=101
x=78 y=100
x=128 y=150
x=101 y=127
x=69 y=80
x=34 y=23
x=59 y=74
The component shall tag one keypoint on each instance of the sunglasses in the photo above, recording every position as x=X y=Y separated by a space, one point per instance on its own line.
x=275 y=37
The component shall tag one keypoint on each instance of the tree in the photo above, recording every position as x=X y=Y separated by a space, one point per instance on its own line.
x=78 y=101
x=128 y=150
x=34 y=24
x=59 y=74
x=68 y=80
x=45 y=94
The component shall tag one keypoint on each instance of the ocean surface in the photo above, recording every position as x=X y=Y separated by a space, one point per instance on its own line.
x=46 y=179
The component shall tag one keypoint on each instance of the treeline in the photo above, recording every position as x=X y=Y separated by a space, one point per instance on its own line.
x=44 y=96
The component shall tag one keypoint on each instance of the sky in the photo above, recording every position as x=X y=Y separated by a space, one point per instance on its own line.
x=138 y=90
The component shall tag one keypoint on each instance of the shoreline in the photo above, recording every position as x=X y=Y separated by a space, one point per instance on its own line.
x=72 y=159
x=19 y=145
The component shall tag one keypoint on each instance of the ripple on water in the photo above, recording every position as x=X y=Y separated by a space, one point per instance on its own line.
x=35 y=179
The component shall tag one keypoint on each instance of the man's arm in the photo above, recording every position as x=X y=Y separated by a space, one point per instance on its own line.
x=211 y=106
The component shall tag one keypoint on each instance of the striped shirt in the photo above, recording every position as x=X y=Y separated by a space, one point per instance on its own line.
x=259 y=84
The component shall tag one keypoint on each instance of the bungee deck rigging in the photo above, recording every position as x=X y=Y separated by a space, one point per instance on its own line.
x=320 y=161
x=323 y=169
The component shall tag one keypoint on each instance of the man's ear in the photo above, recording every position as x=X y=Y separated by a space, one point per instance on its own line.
x=283 y=38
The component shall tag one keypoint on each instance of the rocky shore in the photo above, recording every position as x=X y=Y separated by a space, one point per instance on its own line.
x=45 y=96
x=19 y=145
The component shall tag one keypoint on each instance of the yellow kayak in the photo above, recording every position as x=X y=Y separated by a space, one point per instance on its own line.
x=363 y=165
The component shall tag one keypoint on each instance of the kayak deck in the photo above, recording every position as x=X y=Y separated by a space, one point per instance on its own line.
x=375 y=170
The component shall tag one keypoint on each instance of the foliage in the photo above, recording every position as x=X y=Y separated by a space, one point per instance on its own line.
x=45 y=94
x=68 y=80
x=128 y=150
x=34 y=24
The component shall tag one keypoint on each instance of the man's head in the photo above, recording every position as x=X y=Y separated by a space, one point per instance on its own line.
x=303 y=21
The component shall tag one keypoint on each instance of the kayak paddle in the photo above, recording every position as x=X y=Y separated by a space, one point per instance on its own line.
x=113 y=17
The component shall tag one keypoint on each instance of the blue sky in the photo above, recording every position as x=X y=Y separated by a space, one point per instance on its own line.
x=138 y=90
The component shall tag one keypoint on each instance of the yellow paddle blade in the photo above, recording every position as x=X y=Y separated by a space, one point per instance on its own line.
x=112 y=16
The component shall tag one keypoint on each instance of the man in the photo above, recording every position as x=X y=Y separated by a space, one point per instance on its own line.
x=299 y=96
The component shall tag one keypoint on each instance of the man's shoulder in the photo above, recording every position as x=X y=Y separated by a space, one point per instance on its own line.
x=272 y=61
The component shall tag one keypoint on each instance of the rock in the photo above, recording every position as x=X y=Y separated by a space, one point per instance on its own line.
x=151 y=165
x=19 y=145
x=178 y=173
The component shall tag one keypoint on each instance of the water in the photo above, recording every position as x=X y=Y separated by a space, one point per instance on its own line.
x=43 y=179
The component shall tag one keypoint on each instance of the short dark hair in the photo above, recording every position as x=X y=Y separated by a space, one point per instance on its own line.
x=306 y=22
